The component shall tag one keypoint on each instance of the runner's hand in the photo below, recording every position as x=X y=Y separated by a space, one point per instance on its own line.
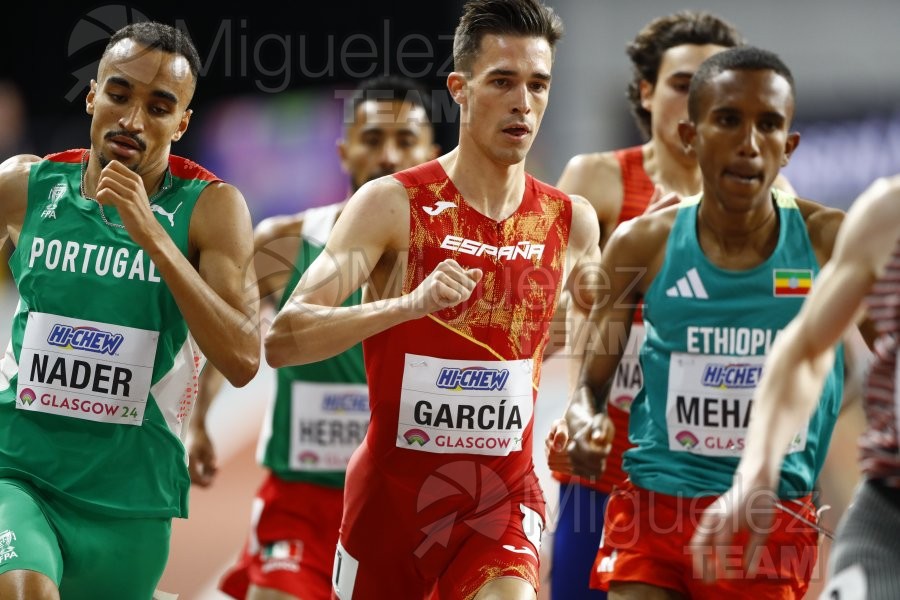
x=201 y=457
x=448 y=285
x=660 y=200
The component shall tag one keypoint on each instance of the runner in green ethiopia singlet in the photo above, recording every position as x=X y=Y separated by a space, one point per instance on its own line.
x=707 y=333
x=100 y=362
x=321 y=410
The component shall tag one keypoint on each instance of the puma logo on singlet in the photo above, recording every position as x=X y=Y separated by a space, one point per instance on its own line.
x=169 y=215
x=438 y=208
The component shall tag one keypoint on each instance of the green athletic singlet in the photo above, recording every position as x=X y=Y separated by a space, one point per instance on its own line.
x=101 y=371
x=707 y=333
x=320 y=411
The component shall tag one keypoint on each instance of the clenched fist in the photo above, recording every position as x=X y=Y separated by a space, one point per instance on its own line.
x=448 y=285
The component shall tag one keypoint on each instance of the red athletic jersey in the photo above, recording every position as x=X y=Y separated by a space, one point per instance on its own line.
x=637 y=189
x=444 y=488
x=479 y=348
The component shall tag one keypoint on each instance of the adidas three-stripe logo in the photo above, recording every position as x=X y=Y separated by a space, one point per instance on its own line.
x=688 y=286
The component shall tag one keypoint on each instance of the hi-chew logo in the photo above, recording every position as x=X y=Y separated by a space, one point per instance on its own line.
x=472 y=378
x=732 y=376
x=90 y=339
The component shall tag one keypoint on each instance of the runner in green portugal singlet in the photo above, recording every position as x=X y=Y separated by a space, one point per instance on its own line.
x=129 y=267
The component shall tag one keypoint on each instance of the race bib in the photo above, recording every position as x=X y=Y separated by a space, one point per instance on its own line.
x=329 y=422
x=464 y=407
x=85 y=369
x=709 y=402
x=629 y=378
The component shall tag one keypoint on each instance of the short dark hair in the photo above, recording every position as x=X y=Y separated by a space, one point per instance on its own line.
x=159 y=36
x=745 y=58
x=647 y=49
x=392 y=87
x=524 y=18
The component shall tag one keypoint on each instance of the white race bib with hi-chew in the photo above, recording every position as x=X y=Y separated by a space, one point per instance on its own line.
x=329 y=423
x=85 y=369
x=464 y=406
x=709 y=402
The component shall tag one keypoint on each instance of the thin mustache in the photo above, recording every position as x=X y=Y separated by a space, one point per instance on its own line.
x=130 y=136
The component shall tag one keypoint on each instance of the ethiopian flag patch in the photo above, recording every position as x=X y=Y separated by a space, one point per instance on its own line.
x=792 y=282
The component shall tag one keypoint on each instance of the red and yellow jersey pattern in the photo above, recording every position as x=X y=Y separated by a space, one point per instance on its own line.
x=478 y=348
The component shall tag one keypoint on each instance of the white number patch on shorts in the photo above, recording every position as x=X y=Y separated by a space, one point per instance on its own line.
x=343 y=578
x=849 y=584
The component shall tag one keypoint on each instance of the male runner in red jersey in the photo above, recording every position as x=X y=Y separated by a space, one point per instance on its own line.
x=464 y=259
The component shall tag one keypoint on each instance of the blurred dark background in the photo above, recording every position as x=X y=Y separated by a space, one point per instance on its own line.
x=269 y=106
x=274 y=78
x=245 y=48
